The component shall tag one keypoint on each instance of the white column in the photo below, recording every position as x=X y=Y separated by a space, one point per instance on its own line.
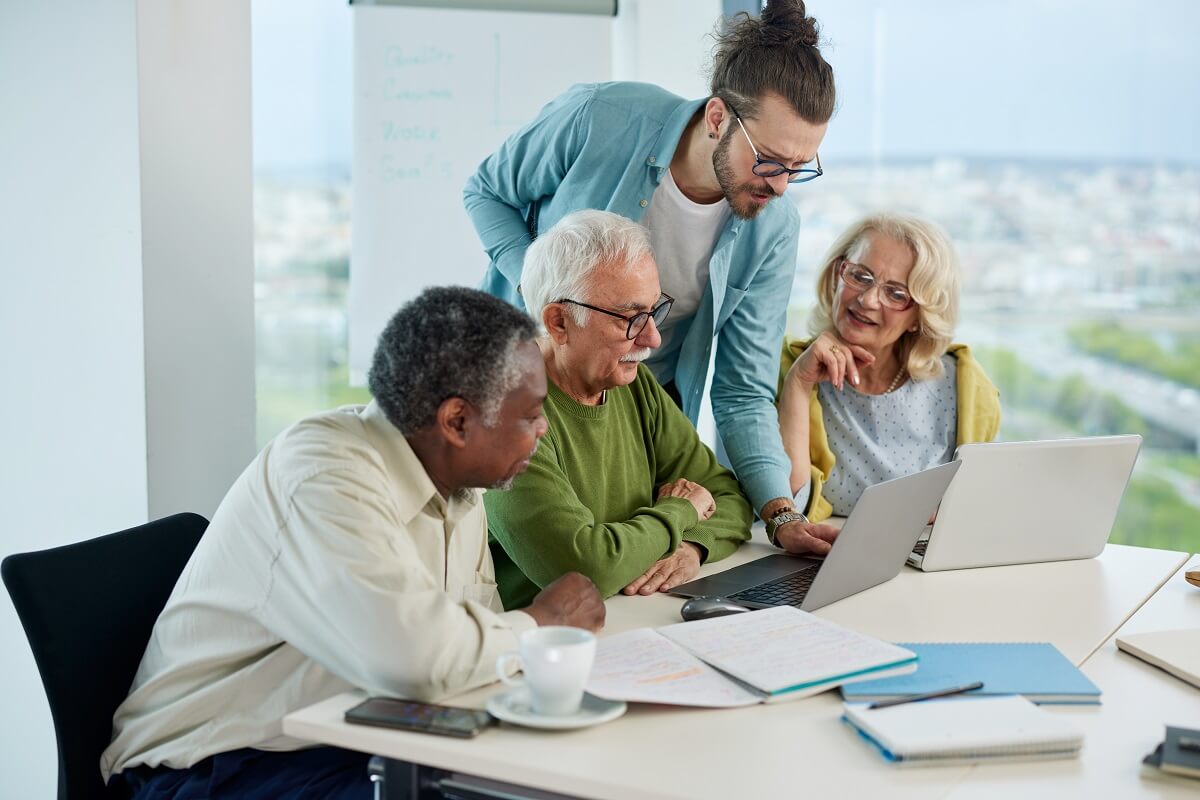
x=197 y=249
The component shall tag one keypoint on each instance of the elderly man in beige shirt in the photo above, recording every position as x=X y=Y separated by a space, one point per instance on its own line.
x=352 y=552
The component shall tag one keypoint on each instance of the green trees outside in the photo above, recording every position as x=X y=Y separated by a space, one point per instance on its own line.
x=1139 y=350
x=1153 y=512
x=1071 y=402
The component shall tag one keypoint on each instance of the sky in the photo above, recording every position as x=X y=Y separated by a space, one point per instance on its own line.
x=1094 y=80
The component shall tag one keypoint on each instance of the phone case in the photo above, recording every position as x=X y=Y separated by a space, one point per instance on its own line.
x=410 y=715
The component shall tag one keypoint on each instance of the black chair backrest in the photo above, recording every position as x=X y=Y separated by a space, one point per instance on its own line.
x=88 y=610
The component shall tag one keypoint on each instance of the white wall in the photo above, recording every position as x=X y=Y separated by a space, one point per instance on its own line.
x=666 y=42
x=72 y=421
x=101 y=392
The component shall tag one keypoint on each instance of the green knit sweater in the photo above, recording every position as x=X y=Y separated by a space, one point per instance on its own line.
x=587 y=502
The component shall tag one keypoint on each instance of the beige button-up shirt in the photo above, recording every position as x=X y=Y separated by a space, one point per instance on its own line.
x=332 y=563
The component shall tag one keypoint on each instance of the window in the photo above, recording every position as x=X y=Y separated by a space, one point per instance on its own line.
x=1061 y=153
x=302 y=119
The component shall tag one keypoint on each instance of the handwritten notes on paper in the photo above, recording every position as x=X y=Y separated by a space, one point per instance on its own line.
x=778 y=649
x=741 y=659
x=643 y=666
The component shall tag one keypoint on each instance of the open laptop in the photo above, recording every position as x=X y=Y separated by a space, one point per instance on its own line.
x=871 y=548
x=1023 y=502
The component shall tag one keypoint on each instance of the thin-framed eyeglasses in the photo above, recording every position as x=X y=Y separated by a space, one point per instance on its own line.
x=637 y=322
x=891 y=294
x=767 y=168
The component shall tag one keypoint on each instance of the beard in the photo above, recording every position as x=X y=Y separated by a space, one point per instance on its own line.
x=506 y=483
x=735 y=193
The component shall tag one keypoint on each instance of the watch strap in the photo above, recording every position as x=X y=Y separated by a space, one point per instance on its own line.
x=782 y=518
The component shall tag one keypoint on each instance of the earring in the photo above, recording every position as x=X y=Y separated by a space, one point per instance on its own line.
x=712 y=136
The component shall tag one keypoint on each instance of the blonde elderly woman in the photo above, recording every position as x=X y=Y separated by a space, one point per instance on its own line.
x=880 y=391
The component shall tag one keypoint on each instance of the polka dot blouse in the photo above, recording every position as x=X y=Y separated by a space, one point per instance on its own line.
x=875 y=438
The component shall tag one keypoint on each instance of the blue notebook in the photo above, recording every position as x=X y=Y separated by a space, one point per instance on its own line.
x=1036 y=670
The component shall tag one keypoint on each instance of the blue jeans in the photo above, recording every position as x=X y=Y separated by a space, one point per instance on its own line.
x=248 y=774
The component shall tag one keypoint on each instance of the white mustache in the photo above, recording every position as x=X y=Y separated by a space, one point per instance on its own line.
x=637 y=355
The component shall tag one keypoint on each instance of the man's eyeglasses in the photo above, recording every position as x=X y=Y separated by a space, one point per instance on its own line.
x=766 y=168
x=637 y=322
x=891 y=294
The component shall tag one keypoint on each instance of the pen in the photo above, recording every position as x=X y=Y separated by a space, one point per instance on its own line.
x=913 y=698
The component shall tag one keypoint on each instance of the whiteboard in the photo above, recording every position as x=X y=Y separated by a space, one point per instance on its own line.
x=435 y=92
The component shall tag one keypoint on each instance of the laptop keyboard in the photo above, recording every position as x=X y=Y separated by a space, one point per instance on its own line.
x=919 y=547
x=786 y=591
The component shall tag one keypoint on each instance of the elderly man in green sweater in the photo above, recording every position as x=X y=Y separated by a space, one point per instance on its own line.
x=621 y=488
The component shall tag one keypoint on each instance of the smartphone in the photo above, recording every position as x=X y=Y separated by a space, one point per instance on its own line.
x=387 y=712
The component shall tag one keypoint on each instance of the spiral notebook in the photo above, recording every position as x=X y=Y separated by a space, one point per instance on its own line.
x=1037 y=670
x=965 y=731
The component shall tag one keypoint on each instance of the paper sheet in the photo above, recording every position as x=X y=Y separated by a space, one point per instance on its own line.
x=783 y=647
x=643 y=666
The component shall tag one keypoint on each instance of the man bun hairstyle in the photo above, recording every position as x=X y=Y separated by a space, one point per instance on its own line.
x=777 y=53
x=448 y=342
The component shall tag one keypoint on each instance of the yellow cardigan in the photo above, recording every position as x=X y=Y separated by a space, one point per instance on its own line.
x=978 y=417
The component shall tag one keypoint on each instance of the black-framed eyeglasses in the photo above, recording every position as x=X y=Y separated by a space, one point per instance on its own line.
x=767 y=168
x=891 y=294
x=637 y=322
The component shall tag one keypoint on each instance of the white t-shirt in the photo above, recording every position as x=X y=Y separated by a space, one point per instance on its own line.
x=683 y=234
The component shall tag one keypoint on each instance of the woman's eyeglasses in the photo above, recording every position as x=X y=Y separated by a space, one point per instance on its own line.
x=891 y=294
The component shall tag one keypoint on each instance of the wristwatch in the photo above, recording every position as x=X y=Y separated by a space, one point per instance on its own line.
x=783 y=517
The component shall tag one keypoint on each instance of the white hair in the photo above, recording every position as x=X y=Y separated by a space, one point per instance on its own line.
x=559 y=265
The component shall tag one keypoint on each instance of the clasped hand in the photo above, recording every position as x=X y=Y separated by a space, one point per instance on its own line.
x=684 y=564
x=700 y=498
x=667 y=573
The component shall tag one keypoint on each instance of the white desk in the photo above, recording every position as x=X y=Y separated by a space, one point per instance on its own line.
x=1139 y=700
x=661 y=752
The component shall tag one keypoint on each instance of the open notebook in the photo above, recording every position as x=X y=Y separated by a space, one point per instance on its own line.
x=965 y=731
x=779 y=653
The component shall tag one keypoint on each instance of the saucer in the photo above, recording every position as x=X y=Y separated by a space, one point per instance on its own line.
x=515 y=706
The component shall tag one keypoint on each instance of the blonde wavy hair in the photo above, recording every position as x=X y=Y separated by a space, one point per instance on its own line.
x=934 y=284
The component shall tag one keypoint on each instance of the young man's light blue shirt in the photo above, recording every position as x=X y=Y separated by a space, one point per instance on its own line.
x=606 y=146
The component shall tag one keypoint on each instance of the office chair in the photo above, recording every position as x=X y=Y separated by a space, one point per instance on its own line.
x=88 y=609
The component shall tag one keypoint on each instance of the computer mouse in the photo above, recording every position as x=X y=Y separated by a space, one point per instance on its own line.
x=707 y=607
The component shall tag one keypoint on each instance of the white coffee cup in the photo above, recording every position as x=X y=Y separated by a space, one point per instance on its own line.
x=556 y=661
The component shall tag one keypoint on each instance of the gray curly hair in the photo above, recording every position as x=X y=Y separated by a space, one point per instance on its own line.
x=448 y=342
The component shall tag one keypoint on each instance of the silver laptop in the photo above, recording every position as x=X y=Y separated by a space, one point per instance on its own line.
x=870 y=549
x=1023 y=502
